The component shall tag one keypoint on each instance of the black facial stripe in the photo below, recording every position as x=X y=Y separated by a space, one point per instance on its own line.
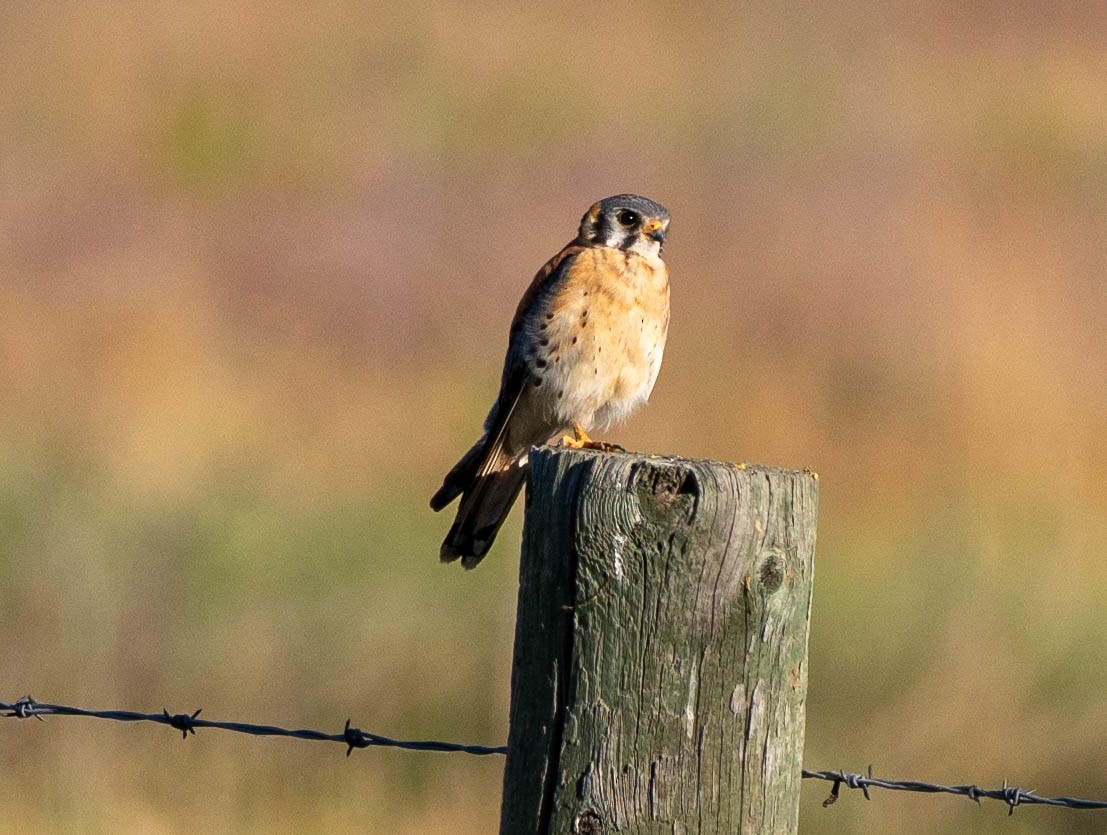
x=614 y=233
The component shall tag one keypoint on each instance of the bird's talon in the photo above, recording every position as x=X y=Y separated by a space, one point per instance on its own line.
x=580 y=440
x=603 y=446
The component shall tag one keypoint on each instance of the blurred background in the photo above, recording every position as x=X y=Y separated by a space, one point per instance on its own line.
x=257 y=264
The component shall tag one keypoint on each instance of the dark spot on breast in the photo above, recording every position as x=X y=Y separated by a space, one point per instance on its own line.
x=540 y=363
x=536 y=380
x=560 y=394
x=542 y=327
x=574 y=340
x=549 y=316
x=544 y=341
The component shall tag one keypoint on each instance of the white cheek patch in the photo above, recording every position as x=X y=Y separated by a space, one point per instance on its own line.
x=646 y=247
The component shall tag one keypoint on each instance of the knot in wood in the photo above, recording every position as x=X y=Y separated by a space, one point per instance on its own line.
x=666 y=489
x=588 y=823
x=771 y=571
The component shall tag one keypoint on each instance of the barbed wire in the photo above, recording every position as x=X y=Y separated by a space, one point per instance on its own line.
x=1011 y=795
x=187 y=723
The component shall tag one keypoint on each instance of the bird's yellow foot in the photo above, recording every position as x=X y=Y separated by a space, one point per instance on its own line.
x=580 y=440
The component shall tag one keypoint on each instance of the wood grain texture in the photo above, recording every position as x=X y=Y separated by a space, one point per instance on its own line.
x=660 y=666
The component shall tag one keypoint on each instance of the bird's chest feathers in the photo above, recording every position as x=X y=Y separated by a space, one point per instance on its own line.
x=604 y=329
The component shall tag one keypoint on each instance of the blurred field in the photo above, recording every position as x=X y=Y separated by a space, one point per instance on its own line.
x=257 y=263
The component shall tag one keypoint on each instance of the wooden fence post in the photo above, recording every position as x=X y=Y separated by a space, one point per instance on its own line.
x=660 y=665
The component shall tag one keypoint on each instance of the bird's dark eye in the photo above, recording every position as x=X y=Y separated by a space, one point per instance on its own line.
x=627 y=218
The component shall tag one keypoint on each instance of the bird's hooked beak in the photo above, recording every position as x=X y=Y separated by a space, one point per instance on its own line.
x=655 y=231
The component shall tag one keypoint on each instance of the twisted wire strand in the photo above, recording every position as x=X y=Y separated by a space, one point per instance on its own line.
x=352 y=737
x=187 y=723
x=1011 y=795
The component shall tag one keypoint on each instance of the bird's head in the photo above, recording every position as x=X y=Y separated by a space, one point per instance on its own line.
x=628 y=222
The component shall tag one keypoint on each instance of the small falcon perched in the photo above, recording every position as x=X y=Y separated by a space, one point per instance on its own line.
x=583 y=351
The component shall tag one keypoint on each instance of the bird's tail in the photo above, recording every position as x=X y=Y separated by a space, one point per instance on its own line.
x=488 y=482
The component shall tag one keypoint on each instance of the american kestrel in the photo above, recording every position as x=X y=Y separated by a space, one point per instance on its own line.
x=583 y=351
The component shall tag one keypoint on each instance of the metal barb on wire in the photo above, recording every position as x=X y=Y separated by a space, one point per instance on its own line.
x=182 y=722
x=352 y=737
x=1011 y=795
x=187 y=723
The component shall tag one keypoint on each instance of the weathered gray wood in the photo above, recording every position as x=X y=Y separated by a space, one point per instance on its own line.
x=660 y=661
